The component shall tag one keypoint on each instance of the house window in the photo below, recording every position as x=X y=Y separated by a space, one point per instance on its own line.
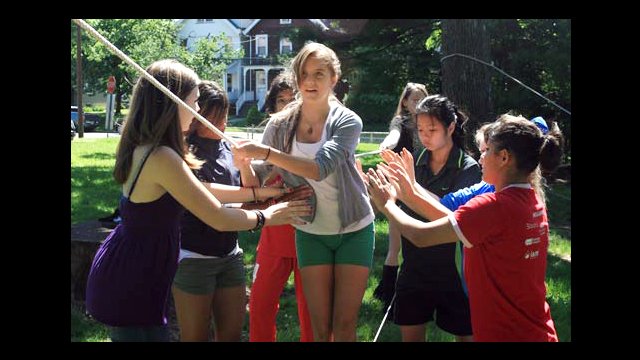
x=285 y=21
x=203 y=20
x=229 y=83
x=261 y=45
x=285 y=46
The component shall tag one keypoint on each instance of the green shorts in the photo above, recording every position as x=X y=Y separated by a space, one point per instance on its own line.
x=354 y=248
x=203 y=276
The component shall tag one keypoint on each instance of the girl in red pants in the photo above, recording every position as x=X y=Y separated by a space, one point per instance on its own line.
x=275 y=261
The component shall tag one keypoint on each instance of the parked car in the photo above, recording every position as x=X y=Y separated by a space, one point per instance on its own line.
x=91 y=121
x=73 y=130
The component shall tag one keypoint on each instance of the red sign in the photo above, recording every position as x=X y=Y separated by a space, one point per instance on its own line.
x=111 y=84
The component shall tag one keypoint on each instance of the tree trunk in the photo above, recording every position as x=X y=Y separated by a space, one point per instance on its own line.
x=466 y=82
x=79 y=82
x=118 y=103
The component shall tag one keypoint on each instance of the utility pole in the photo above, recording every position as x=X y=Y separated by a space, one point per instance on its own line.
x=79 y=81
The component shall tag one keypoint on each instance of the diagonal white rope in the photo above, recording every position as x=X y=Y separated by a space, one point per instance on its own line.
x=374 y=152
x=386 y=314
x=151 y=79
x=509 y=76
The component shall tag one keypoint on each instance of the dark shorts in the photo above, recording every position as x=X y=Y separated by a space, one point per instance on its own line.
x=418 y=306
x=204 y=276
x=140 y=334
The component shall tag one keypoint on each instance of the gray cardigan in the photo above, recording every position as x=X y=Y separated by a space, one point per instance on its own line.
x=336 y=155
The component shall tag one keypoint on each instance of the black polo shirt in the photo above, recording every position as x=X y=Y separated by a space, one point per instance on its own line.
x=434 y=267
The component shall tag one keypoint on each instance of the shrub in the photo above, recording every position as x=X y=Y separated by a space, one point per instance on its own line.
x=254 y=116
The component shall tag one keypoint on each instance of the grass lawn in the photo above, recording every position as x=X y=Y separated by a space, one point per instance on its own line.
x=94 y=194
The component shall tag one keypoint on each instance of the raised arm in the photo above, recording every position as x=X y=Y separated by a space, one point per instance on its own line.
x=391 y=140
x=419 y=233
x=248 y=176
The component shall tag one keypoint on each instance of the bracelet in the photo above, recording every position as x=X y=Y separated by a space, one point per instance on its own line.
x=253 y=189
x=260 y=222
x=268 y=153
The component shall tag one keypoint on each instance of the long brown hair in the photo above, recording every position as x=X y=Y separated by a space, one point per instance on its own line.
x=154 y=118
x=409 y=89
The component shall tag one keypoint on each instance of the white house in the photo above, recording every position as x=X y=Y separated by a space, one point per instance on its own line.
x=194 y=29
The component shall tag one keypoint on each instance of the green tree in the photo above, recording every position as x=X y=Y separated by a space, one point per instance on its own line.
x=211 y=57
x=538 y=53
x=143 y=40
x=380 y=60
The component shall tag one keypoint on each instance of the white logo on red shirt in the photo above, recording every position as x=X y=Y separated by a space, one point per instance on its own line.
x=531 y=241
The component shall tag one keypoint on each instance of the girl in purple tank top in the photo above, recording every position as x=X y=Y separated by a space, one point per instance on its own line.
x=130 y=277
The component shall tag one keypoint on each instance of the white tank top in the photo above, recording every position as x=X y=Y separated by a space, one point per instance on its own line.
x=327 y=219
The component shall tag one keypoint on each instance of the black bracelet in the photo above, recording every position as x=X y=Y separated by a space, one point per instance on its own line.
x=260 y=222
x=268 y=153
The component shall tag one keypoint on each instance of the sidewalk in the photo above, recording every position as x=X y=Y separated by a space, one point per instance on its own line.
x=99 y=135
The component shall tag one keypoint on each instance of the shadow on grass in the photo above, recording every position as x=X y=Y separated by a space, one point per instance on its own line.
x=94 y=193
x=98 y=156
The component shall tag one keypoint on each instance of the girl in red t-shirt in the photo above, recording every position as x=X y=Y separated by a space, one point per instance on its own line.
x=505 y=233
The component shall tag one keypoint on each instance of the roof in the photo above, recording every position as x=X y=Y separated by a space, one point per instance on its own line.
x=316 y=22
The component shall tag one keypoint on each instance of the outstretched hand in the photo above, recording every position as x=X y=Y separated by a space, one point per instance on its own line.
x=405 y=159
x=248 y=149
x=297 y=193
x=399 y=179
x=380 y=190
x=407 y=162
x=241 y=163
x=288 y=213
